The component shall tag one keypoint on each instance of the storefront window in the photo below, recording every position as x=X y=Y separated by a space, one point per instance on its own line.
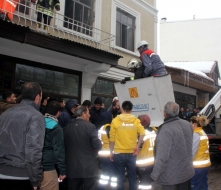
x=104 y=89
x=52 y=82
x=185 y=100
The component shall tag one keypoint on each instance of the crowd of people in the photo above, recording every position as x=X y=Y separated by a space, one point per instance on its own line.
x=187 y=114
x=45 y=140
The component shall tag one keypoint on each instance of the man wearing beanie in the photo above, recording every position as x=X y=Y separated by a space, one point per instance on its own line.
x=95 y=113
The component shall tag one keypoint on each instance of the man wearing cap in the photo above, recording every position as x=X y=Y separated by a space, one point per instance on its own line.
x=95 y=112
x=153 y=66
x=145 y=157
x=65 y=116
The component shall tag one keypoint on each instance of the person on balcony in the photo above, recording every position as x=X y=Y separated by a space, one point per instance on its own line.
x=45 y=10
x=8 y=7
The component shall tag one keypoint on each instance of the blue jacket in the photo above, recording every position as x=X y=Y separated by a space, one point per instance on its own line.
x=153 y=66
x=65 y=116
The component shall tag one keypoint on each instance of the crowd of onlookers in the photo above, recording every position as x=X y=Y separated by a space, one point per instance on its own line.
x=187 y=114
x=44 y=140
x=51 y=135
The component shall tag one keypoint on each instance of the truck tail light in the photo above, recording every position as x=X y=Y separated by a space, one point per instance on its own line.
x=219 y=148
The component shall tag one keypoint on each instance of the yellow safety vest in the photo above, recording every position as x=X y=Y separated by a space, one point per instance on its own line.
x=105 y=150
x=202 y=158
x=145 y=156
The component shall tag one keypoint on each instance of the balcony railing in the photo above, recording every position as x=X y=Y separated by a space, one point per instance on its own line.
x=60 y=26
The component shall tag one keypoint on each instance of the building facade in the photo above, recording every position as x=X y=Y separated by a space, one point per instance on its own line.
x=83 y=51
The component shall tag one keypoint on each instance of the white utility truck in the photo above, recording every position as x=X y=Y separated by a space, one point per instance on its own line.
x=148 y=95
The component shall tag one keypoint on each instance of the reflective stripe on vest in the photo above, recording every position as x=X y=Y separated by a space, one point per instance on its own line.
x=104 y=152
x=198 y=163
x=13 y=4
x=144 y=186
x=148 y=136
x=145 y=161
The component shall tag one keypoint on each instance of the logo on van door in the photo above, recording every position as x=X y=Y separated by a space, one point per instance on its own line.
x=133 y=92
x=140 y=107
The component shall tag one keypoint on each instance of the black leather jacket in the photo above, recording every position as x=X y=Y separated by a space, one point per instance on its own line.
x=22 y=132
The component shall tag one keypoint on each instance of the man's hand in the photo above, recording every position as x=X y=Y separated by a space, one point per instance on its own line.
x=35 y=188
x=62 y=177
x=123 y=81
x=136 y=151
x=111 y=157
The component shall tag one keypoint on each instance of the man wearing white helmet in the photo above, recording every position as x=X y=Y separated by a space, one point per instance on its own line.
x=137 y=68
x=153 y=66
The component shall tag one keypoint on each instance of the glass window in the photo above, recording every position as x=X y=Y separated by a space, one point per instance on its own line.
x=23 y=7
x=125 y=28
x=103 y=88
x=52 y=82
x=185 y=100
x=79 y=16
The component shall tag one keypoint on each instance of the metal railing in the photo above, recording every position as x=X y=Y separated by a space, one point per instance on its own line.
x=58 y=25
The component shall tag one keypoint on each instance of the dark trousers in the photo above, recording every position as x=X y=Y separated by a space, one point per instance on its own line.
x=107 y=170
x=180 y=186
x=144 y=176
x=8 y=184
x=200 y=179
x=47 y=19
x=121 y=162
x=87 y=183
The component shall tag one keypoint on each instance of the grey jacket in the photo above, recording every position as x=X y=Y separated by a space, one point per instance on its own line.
x=173 y=152
x=153 y=66
x=22 y=132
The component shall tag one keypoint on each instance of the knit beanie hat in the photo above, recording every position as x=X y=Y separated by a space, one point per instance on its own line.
x=98 y=100
x=105 y=117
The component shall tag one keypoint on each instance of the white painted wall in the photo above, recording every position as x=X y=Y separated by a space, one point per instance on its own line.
x=184 y=89
x=191 y=40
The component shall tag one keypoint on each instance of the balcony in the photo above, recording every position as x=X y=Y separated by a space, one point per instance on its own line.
x=60 y=26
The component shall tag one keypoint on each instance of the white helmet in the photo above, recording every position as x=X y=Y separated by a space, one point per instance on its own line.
x=142 y=43
x=133 y=63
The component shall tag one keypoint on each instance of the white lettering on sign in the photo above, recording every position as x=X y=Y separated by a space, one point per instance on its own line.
x=140 y=107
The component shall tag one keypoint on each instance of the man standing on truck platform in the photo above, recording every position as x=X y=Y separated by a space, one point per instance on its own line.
x=153 y=66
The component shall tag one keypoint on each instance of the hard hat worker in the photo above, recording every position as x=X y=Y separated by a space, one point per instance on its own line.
x=153 y=66
x=145 y=157
x=136 y=67
x=45 y=10
x=201 y=158
x=108 y=174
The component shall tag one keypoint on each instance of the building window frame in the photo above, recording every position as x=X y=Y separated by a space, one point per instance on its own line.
x=78 y=18
x=97 y=11
x=182 y=100
x=102 y=95
x=15 y=61
x=116 y=4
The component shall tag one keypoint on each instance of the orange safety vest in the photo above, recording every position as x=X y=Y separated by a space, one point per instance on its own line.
x=8 y=7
